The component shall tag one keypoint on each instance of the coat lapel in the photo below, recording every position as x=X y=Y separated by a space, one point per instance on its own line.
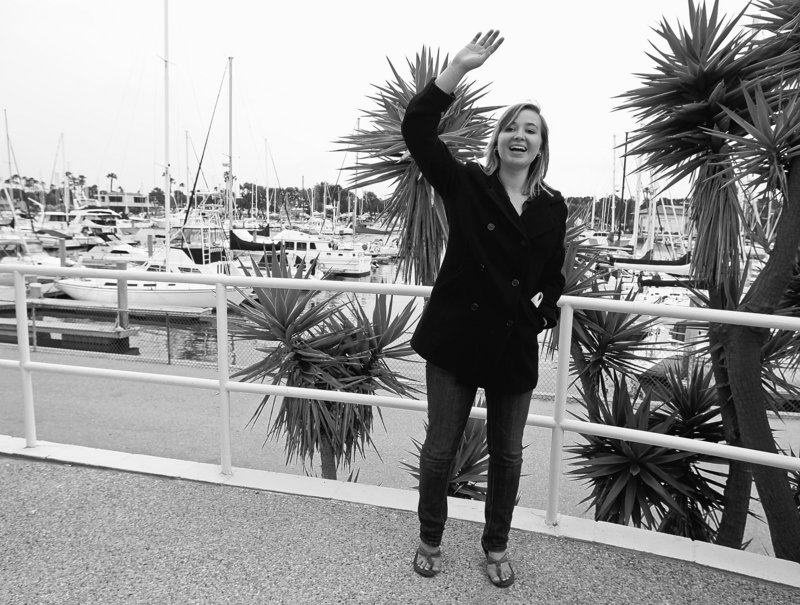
x=499 y=197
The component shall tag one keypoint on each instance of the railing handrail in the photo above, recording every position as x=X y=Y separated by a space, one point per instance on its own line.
x=762 y=320
x=213 y=279
x=558 y=424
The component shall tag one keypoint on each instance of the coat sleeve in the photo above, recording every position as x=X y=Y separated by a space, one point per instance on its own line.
x=553 y=279
x=420 y=132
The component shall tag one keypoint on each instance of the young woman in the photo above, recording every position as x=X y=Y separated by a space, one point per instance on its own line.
x=495 y=292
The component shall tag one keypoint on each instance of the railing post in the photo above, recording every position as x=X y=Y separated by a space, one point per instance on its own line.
x=23 y=345
x=223 y=374
x=168 y=334
x=123 y=316
x=557 y=434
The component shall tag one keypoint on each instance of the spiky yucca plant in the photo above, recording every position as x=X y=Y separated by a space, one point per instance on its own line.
x=414 y=209
x=651 y=486
x=321 y=341
x=721 y=108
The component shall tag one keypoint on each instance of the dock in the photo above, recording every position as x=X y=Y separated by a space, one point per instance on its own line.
x=72 y=335
x=68 y=307
x=90 y=326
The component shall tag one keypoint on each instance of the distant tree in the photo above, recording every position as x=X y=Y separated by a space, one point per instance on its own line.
x=111 y=176
x=156 y=197
x=372 y=203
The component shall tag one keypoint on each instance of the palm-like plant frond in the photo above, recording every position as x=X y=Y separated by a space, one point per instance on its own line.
x=689 y=398
x=629 y=479
x=780 y=19
x=781 y=361
x=651 y=486
x=770 y=138
x=318 y=341
x=715 y=87
x=614 y=342
x=717 y=218
x=699 y=69
x=414 y=209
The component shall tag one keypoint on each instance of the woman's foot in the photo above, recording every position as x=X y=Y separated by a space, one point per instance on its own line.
x=499 y=569
x=427 y=560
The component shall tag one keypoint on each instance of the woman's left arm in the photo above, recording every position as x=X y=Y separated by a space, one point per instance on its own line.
x=553 y=279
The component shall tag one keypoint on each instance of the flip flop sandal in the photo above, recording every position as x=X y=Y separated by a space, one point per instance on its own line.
x=500 y=583
x=428 y=571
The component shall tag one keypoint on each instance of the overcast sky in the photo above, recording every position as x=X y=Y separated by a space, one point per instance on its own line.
x=93 y=71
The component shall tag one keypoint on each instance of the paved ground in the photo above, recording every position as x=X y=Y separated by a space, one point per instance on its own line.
x=74 y=534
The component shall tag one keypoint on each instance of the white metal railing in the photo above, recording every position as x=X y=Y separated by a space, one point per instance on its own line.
x=557 y=423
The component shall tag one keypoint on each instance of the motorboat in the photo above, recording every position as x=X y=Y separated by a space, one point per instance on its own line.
x=15 y=249
x=331 y=256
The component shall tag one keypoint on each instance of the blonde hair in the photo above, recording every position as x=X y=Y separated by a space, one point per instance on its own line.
x=538 y=168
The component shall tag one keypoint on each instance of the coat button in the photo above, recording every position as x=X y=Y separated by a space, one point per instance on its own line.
x=490 y=226
x=481 y=267
x=473 y=307
x=509 y=323
x=515 y=282
x=523 y=243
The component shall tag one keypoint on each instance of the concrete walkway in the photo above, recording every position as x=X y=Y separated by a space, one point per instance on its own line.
x=76 y=534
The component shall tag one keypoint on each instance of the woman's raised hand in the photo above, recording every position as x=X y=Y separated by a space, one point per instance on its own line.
x=478 y=50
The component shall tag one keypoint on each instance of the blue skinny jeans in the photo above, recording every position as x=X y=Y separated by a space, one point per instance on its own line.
x=449 y=403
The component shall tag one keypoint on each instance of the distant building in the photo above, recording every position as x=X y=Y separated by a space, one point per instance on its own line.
x=668 y=217
x=124 y=202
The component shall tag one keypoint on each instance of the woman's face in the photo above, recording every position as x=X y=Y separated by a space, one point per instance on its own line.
x=519 y=142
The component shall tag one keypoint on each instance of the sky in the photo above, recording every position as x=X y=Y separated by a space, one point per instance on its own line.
x=83 y=82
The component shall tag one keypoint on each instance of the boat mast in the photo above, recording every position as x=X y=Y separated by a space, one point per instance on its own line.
x=229 y=191
x=266 y=181
x=188 y=185
x=167 y=204
x=8 y=143
x=64 y=172
x=613 y=182
x=624 y=216
x=637 y=203
x=354 y=213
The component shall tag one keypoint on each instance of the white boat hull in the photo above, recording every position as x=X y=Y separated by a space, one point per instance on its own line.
x=145 y=293
x=346 y=263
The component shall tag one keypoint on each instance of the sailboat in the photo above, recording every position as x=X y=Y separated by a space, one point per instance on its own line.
x=145 y=293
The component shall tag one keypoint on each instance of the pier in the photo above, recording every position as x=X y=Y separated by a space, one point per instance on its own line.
x=90 y=326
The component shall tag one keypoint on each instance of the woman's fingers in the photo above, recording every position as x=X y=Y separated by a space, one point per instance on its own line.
x=489 y=38
x=497 y=44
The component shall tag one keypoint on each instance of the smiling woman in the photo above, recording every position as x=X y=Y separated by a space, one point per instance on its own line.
x=495 y=292
x=520 y=140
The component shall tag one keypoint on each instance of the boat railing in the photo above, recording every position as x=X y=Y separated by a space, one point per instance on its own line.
x=557 y=423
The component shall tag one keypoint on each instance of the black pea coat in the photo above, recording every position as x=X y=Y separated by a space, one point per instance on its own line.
x=480 y=322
